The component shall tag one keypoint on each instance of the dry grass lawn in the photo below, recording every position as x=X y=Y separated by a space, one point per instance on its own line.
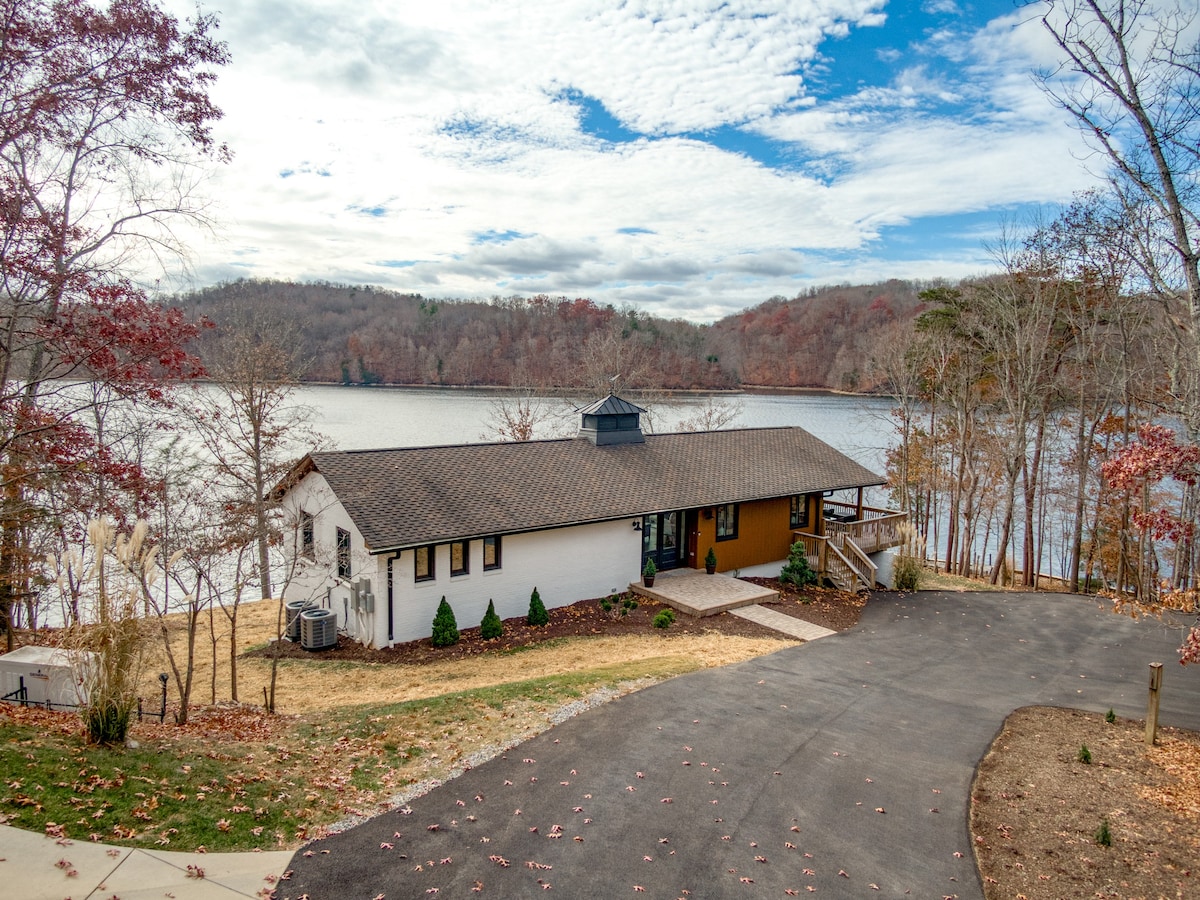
x=308 y=686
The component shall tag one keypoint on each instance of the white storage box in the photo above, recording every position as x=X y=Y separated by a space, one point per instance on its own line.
x=48 y=674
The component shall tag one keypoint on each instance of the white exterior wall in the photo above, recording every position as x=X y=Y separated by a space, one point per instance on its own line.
x=565 y=565
x=316 y=580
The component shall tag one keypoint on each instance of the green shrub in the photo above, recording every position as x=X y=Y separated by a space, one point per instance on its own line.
x=617 y=606
x=1110 y=717
x=649 y=569
x=1084 y=755
x=797 y=570
x=107 y=723
x=906 y=573
x=1104 y=834
x=445 y=628
x=710 y=559
x=537 y=610
x=664 y=619
x=491 y=627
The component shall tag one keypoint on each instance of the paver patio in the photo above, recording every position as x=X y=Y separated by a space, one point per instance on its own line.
x=700 y=594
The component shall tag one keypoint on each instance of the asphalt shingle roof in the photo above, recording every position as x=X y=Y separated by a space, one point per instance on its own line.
x=424 y=495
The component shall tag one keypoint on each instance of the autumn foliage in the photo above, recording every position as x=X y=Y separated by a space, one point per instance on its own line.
x=105 y=114
x=363 y=335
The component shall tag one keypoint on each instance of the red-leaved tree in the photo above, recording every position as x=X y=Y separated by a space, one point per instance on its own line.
x=1155 y=459
x=104 y=120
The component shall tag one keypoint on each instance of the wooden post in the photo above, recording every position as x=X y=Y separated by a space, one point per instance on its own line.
x=1152 y=710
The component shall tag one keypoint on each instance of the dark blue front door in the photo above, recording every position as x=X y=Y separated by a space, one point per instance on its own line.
x=661 y=534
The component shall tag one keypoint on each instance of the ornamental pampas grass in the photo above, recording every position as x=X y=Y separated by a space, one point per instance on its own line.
x=107 y=640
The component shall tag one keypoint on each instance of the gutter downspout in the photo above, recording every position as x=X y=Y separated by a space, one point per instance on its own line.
x=390 y=613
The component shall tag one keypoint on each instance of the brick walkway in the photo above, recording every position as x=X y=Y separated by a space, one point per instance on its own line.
x=789 y=625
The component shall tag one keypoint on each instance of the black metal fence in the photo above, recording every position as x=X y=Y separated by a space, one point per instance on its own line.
x=21 y=696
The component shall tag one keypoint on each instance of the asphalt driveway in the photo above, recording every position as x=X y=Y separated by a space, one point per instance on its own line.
x=843 y=765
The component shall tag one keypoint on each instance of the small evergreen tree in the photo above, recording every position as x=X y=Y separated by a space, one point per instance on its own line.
x=537 y=610
x=491 y=627
x=797 y=570
x=445 y=628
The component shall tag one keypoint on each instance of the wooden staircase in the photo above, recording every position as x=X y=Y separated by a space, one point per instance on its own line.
x=838 y=558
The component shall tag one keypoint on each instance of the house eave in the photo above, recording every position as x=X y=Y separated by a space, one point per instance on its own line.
x=572 y=523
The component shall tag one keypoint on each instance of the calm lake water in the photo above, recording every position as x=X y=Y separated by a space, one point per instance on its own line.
x=357 y=418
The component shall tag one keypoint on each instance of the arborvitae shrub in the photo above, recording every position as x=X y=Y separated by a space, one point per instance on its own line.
x=491 y=627
x=537 y=610
x=797 y=570
x=664 y=619
x=445 y=628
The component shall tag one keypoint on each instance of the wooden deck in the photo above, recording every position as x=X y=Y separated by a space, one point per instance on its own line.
x=870 y=528
x=851 y=534
x=697 y=593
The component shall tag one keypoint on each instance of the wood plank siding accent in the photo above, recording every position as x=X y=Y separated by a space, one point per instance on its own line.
x=764 y=533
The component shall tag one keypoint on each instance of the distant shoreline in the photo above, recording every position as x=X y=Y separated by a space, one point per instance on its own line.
x=782 y=390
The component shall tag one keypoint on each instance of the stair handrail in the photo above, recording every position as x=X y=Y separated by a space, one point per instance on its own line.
x=844 y=548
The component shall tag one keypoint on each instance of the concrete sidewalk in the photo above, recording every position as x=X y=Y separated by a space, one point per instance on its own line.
x=36 y=867
x=843 y=765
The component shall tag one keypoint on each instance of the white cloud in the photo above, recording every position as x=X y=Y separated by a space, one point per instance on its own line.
x=377 y=142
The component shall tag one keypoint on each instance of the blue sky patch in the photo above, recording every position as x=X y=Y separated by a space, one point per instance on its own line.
x=596 y=121
x=635 y=230
x=497 y=237
x=958 y=235
x=770 y=153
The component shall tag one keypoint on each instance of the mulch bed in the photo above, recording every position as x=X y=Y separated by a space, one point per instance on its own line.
x=1037 y=809
x=829 y=608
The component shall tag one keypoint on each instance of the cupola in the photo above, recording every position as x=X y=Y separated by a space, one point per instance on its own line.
x=611 y=421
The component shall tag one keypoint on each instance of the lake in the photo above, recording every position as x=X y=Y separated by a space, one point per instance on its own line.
x=358 y=418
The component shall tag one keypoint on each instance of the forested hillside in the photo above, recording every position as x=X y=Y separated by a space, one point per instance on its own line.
x=360 y=335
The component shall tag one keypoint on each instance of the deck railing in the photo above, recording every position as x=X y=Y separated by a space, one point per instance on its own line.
x=871 y=530
x=838 y=559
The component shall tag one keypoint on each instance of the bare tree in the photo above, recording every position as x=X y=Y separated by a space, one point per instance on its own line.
x=1130 y=77
x=250 y=423
x=713 y=415
x=527 y=413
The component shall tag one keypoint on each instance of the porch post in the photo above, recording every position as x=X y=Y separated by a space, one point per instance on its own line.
x=859 y=507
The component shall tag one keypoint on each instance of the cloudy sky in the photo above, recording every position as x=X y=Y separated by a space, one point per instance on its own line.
x=691 y=158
